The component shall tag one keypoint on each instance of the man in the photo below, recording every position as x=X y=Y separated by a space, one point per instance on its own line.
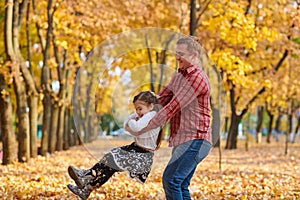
x=186 y=103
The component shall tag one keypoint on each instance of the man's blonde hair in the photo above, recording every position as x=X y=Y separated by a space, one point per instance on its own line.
x=193 y=45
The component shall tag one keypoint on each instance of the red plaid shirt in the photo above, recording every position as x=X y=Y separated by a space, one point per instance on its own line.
x=186 y=103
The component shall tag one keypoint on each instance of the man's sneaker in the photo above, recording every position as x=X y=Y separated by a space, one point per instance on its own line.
x=83 y=193
x=81 y=177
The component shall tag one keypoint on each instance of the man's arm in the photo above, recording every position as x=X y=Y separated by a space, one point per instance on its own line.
x=183 y=97
x=165 y=96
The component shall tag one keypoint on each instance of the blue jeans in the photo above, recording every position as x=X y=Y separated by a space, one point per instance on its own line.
x=181 y=168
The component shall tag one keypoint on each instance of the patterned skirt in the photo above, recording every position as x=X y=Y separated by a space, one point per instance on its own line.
x=131 y=158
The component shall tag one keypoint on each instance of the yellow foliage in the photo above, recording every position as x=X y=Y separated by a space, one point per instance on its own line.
x=4 y=93
x=267 y=83
x=255 y=174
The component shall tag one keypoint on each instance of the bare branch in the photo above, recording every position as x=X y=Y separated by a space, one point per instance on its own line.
x=202 y=11
x=22 y=8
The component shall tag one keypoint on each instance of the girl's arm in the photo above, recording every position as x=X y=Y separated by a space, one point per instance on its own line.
x=141 y=123
x=132 y=116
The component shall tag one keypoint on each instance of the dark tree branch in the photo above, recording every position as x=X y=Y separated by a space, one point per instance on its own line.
x=248 y=7
x=254 y=72
x=202 y=11
x=22 y=8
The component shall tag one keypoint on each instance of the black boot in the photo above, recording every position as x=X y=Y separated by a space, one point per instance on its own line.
x=83 y=193
x=81 y=177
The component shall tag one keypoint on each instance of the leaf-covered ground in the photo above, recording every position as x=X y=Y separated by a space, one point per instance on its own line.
x=263 y=172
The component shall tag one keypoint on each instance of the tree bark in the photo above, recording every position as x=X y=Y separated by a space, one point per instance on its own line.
x=278 y=123
x=31 y=92
x=231 y=142
x=38 y=27
x=260 y=115
x=150 y=64
x=33 y=116
x=23 y=119
x=53 y=127
x=61 y=113
x=13 y=17
x=68 y=140
x=293 y=140
x=45 y=84
x=271 y=119
x=216 y=126
x=6 y=123
x=226 y=124
x=287 y=139
x=60 y=128
x=193 y=18
x=163 y=61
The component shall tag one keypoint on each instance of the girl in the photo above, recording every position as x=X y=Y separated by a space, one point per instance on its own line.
x=136 y=158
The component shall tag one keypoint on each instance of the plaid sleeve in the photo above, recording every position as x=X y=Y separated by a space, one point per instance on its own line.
x=166 y=94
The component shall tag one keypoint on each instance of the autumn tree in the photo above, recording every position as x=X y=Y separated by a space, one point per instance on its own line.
x=238 y=43
x=13 y=20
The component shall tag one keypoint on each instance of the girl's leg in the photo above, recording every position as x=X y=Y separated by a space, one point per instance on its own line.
x=80 y=176
x=102 y=174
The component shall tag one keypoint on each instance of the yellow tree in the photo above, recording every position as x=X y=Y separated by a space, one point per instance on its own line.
x=140 y=14
x=70 y=30
x=14 y=15
x=239 y=37
x=6 y=117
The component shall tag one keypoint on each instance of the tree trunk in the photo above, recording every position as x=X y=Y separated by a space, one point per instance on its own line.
x=260 y=115
x=33 y=116
x=13 y=19
x=287 y=139
x=271 y=116
x=163 y=61
x=216 y=126
x=60 y=128
x=226 y=124
x=23 y=119
x=61 y=121
x=150 y=64
x=278 y=123
x=31 y=91
x=45 y=84
x=46 y=123
x=193 y=18
x=68 y=140
x=231 y=142
x=53 y=128
x=61 y=71
x=6 y=123
x=293 y=139
x=233 y=128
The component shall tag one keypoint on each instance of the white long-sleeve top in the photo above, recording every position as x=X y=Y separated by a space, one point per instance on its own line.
x=147 y=139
